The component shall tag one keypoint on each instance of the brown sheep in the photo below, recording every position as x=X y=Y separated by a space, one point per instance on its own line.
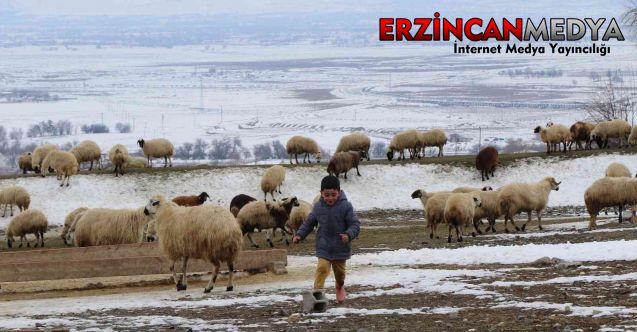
x=265 y=216
x=240 y=201
x=486 y=161
x=191 y=200
x=581 y=132
x=24 y=163
x=342 y=162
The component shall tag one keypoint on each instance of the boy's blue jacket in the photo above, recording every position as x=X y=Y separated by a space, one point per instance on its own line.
x=332 y=221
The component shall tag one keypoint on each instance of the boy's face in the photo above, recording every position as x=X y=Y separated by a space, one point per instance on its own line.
x=330 y=196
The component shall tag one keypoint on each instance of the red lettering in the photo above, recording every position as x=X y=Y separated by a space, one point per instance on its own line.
x=492 y=31
x=403 y=26
x=385 y=29
x=447 y=28
x=508 y=28
x=420 y=34
x=467 y=29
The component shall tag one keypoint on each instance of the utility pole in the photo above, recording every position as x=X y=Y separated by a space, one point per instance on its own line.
x=480 y=138
x=221 y=107
x=102 y=117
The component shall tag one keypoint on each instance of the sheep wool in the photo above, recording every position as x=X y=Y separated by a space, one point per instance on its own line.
x=553 y=136
x=24 y=162
x=266 y=216
x=355 y=142
x=118 y=155
x=609 y=192
x=39 y=154
x=63 y=163
x=526 y=197
x=14 y=195
x=87 y=151
x=70 y=219
x=342 y=162
x=98 y=227
x=201 y=232
x=272 y=180
x=303 y=145
x=28 y=222
x=459 y=211
x=606 y=130
x=434 y=207
x=157 y=148
x=298 y=215
x=617 y=170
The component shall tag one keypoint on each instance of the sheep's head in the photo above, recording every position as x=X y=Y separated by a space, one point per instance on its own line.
x=487 y=188
x=364 y=154
x=317 y=156
x=289 y=203
x=390 y=155
x=141 y=142
x=331 y=167
x=203 y=197
x=554 y=184
x=537 y=129
x=153 y=206
x=9 y=241
x=417 y=194
x=477 y=201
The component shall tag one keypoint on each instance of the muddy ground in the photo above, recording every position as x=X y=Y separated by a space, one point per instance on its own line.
x=548 y=305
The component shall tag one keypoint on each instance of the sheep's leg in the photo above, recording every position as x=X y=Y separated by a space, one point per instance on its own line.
x=477 y=227
x=42 y=239
x=620 y=208
x=268 y=236
x=345 y=175
x=431 y=229
x=172 y=269
x=290 y=159
x=506 y=220
x=150 y=163
x=517 y=229
x=252 y=241
x=11 y=206
x=90 y=168
x=182 y=284
x=539 y=219
x=230 y=286
x=436 y=231
x=528 y=220
x=466 y=229
x=458 y=234
x=548 y=148
x=368 y=154
x=592 y=222
x=492 y=224
x=213 y=276
x=357 y=172
x=449 y=237
x=165 y=161
x=37 y=239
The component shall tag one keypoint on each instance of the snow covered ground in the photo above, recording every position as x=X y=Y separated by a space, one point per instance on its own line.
x=380 y=186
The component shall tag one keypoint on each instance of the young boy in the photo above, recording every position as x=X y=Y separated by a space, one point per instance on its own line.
x=338 y=225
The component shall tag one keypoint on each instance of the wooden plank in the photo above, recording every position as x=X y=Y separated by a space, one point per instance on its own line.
x=140 y=265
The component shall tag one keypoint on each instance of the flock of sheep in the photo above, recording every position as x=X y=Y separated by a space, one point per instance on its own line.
x=464 y=207
x=187 y=228
x=583 y=134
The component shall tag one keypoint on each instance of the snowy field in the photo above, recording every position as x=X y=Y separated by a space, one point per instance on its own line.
x=379 y=187
x=264 y=93
x=439 y=285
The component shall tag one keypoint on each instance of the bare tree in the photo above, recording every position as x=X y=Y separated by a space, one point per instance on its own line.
x=615 y=97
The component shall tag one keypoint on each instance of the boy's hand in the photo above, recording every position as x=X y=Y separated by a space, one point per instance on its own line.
x=296 y=239
x=344 y=237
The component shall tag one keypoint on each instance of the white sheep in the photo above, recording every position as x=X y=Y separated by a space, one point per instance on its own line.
x=610 y=192
x=39 y=154
x=63 y=163
x=201 y=232
x=272 y=180
x=526 y=197
x=432 y=138
x=119 y=157
x=266 y=216
x=355 y=142
x=157 y=148
x=28 y=222
x=98 y=227
x=554 y=135
x=490 y=209
x=459 y=211
x=434 y=207
x=603 y=131
x=14 y=195
x=87 y=151
x=617 y=170
x=136 y=162
x=303 y=145
x=69 y=224
x=409 y=139
x=298 y=215
x=632 y=139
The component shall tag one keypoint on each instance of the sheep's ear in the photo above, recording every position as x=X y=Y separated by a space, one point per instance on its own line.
x=155 y=203
x=475 y=199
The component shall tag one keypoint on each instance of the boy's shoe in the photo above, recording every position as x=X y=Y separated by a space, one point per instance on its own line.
x=340 y=294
